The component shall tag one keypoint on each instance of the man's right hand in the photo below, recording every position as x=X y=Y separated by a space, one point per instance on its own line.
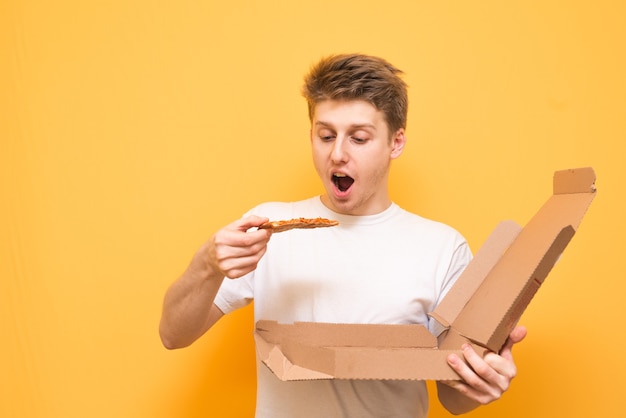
x=235 y=250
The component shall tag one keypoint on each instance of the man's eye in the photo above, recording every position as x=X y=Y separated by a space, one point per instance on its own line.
x=326 y=137
x=359 y=140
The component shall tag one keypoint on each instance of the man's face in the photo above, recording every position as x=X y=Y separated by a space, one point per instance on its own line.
x=352 y=152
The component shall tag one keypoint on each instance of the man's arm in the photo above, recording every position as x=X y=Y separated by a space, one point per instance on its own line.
x=188 y=308
x=484 y=380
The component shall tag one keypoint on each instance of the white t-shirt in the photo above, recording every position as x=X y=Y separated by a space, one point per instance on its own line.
x=389 y=268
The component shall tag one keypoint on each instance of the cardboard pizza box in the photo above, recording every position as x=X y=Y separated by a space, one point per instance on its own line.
x=482 y=307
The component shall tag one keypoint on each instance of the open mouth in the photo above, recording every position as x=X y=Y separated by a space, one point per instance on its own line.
x=342 y=182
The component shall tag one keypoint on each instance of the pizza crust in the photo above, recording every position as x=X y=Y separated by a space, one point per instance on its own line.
x=298 y=223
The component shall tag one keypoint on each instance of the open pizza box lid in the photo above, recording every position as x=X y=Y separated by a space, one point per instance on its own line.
x=481 y=308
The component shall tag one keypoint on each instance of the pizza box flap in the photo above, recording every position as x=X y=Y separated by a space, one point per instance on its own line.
x=305 y=351
x=472 y=277
x=490 y=314
x=349 y=335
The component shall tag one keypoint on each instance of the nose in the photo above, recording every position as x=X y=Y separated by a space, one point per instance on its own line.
x=339 y=153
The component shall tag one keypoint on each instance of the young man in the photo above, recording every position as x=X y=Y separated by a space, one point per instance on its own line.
x=380 y=265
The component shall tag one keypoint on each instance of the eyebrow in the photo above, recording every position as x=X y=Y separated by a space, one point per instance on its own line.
x=353 y=126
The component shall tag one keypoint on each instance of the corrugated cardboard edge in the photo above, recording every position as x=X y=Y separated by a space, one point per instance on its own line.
x=373 y=362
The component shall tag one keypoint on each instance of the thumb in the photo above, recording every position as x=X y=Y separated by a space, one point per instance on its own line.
x=516 y=336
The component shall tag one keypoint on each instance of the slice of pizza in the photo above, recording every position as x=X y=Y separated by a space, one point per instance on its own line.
x=300 y=223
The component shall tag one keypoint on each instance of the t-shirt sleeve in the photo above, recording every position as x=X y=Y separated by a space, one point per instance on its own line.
x=459 y=261
x=235 y=293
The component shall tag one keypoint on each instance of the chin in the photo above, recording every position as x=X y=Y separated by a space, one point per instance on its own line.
x=336 y=205
x=345 y=207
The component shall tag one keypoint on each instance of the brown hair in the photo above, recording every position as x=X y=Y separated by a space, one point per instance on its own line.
x=359 y=77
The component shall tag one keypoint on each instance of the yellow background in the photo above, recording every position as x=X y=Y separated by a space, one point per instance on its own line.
x=131 y=130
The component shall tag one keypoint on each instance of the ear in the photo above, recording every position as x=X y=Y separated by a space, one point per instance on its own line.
x=397 y=143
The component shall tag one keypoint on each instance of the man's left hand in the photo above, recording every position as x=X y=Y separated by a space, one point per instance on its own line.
x=485 y=379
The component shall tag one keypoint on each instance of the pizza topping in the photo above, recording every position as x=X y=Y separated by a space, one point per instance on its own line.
x=300 y=223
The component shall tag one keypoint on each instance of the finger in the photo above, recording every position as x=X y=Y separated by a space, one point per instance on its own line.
x=471 y=385
x=233 y=245
x=517 y=335
x=236 y=266
x=478 y=366
x=237 y=235
x=240 y=267
x=465 y=369
x=504 y=367
x=232 y=252
x=248 y=222
x=493 y=372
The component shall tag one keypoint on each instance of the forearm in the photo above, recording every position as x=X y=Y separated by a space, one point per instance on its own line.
x=188 y=310
x=454 y=401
